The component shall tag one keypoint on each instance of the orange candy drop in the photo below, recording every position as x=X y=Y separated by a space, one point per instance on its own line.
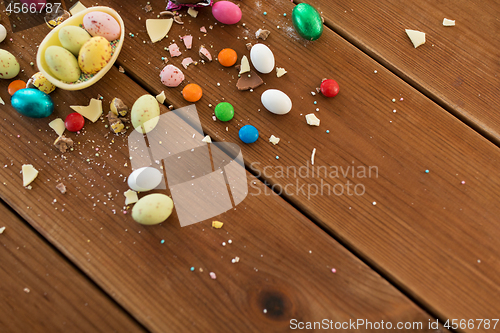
x=15 y=86
x=227 y=57
x=192 y=92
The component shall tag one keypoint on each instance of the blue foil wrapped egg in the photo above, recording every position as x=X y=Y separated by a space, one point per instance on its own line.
x=32 y=103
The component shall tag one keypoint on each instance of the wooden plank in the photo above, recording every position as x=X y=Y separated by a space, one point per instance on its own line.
x=419 y=229
x=285 y=270
x=42 y=292
x=457 y=67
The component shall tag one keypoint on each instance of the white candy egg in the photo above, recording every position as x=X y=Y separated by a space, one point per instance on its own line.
x=276 y=101
x=144 y=179
x=262 y=58
x=3 y=33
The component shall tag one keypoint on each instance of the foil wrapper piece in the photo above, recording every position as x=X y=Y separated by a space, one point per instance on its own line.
x=178 y=4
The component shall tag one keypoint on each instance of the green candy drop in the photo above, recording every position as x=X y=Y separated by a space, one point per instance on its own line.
x=307 y=21
x=224 y=111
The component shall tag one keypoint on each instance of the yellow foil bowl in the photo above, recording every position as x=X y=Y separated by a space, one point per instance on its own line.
x=52 y=39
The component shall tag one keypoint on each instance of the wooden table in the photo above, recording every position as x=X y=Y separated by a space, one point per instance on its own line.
x=418 y=246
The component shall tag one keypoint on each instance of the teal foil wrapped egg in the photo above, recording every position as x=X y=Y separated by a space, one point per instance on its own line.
x=32 y=103
x=307 y=21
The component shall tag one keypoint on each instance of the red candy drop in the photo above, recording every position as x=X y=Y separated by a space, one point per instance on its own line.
x=329 y=88
x=74 y=122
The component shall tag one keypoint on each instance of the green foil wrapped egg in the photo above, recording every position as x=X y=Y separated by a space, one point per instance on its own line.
x=32 y=103
x=307 y=21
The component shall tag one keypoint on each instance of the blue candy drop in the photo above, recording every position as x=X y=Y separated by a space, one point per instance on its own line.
x=248 y=134
x=32 y=103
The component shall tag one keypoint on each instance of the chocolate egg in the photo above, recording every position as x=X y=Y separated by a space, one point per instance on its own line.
x=307 y=21
x=62 y=64
x=9 y=67
x=94 y=55
x=32 y=103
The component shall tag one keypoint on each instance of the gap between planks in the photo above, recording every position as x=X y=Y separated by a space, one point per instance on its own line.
x=71 y=264
x=421 y=89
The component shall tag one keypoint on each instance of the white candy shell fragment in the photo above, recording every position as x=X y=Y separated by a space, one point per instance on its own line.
x=416 y=37
x=158 y=28
x=77 y=7
x=245 y=65
x=130 y=197
x=1 y=101
x=274 y=140
x=2 y=229
x=193 y=12
x=207 y=139
x=280 y=71
x=186 y=62
x=152 y=209
x=448 y=22
x=313 y=155
x=29 y=174
x=312 y=119
x=188 y=41
x=174 y=50
x=161 y=97
x=58 y=126
x=92 y=112
x=144 y=179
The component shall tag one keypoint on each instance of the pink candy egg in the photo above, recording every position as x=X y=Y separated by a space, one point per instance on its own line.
x=226 y=12
x=101 y=24
x=171 y=76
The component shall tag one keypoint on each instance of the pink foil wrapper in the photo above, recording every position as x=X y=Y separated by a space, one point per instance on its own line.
x=178 y=4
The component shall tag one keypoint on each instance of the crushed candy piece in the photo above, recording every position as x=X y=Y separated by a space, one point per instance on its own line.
x=280 y=71
x=115 y=124
x=178 y=20
x=61 y=187
x=245 y=65
x=174 y=50
x=274 y=140
x=29 y=174
x=161 y=97
x=2 y=229
x=92 y=112
x=193 y=12
x=203 y=29
x=1 y=101
x=77 y=7
x=63 y=143
x=416 y=37
x=130 y=197
x=167 y=13
x=448 y=22
x=207 y=139
x=249 y=46
x=158 y=28
x=118 y=107
x=217 y=224
x=262 y=34
x=248 y=81
x=213 y=276
x=186 y=62
x=312 y=119
x=188 y=41
x=313 y=154
x=120 y=69
x=58 y=126
x=205 y=54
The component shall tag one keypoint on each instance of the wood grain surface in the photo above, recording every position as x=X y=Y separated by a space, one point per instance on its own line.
x=434 y=234
x=457 y=67
x=42 y=292
x=285 y=267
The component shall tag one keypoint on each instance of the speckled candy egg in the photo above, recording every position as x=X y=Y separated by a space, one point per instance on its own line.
x=152 y=209
x=72 y=38
x=101 y=24
x=32 y=103
x=9 y=67
x=145 y=113
x=41 y=83
x=62 y=64
x=171 y=76
x=3 y=33
x=226 y=12
x=94 y=55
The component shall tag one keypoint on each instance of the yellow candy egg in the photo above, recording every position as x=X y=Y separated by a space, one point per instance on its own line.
x=9 y=67
x=94 y=55
x=41 y=83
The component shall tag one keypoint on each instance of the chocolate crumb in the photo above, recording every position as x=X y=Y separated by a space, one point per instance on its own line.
x=167 y=14
x=120 y=69
x=250 y=81
x=262 y=34
x=63 y=143
x=249 y=46
x=148 y=8
x=61 y=187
